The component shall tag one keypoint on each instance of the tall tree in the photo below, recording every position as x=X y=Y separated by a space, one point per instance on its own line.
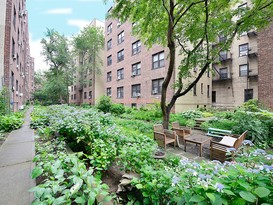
x=87 y=46
x=189 y=28
x=58 y=56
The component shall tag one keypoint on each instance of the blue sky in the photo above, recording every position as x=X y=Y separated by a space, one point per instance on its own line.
x=65 y=16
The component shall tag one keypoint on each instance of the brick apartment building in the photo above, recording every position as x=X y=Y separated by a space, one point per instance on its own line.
x=134 y=74
x=93 y=87
x=265 y=64
x=245 y=71
x=16 y=65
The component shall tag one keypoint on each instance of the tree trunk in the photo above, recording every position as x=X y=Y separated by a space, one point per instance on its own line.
x=171 y=45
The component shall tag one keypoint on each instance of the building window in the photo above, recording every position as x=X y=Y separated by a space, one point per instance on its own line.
x=243 y=49
x=109 y=44
x=109 y=76
x=120 y=37
x=71 y=97
x=109 y=60
x=158 y=60
x=13 y=50
x=120 y=74
x=243 y=69
x=133 y=105
x=157 y=86
x=121 y=55
x=242 y=9
x=208 y=91
x=208 y=73
x=136 y=91
x=84 y=95
x=202 y=88
x=120 y=92
x=213 y=96
x=14 y=17
x=109 y=92
x=194 y=90
x=75 y=87
x=223 y=55
x=90 y=82
x=136 y=47
x=248 y=94
x=72 y=88
x=17 y=85
x=109 y=29
x=223 y=73
x=136 y=69
x=118 y=23
x=90 y=94
x=75 y=96
x=222 y=38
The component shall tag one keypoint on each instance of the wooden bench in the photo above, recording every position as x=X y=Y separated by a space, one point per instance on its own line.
x=218 y=150
x=213 y=132
x=163 y=136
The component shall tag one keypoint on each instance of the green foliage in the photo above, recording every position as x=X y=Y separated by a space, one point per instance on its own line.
x=117 y=109
x=104 y=104
x=223 y=124
x=192 y=114
x=4 y=101
x=54 y=82
x=258 y=131
x=11 y=122
x=67 y=180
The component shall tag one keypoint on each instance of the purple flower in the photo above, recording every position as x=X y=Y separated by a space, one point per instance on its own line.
x=247 y=142
x=175 y=180
x=231 y=149
x=269 y=156
x=268 y=168
x=219 y=187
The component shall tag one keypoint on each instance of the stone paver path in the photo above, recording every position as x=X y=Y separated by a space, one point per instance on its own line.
x=16 y=156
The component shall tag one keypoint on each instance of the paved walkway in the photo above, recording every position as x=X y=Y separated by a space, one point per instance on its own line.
x=16 y=156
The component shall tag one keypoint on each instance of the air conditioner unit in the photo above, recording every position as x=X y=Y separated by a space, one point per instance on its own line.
x=155 y=91
x=20 y=94
x=14 y=57
x=13 y=88
x=134 y=74
x=119 y=77
x=138 y=94
x=17 y=66
x=109 y=95
x=17 y=93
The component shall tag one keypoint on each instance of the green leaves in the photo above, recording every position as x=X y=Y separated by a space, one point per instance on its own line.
x=37 y=171
x=262 y=192
x=248 y=196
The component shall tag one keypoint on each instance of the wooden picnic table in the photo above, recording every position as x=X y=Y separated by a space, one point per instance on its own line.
x=198 y=140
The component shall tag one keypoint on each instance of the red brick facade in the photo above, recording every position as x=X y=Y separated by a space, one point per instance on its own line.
x=145 y=94
x=18 y=65
x=265 y=64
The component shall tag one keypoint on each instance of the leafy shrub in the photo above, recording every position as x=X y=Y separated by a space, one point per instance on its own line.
x=10 y=122
x=68 y=181
x=192 y=114
x=117 y=109
x=104 y=104
x=257 y=130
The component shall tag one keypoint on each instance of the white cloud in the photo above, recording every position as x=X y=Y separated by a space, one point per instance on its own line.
x=59 y=11
x=35 y=52
x=80 y=23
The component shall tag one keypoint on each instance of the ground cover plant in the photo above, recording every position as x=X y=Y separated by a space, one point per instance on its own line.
x=65 y=178
x=169 y=181
x=11 y=121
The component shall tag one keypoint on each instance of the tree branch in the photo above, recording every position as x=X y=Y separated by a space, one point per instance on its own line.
x=184 y=12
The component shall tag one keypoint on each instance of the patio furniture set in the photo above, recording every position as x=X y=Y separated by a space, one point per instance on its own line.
x=182 y=135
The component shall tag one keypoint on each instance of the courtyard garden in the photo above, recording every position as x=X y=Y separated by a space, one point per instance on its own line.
x=111 y=136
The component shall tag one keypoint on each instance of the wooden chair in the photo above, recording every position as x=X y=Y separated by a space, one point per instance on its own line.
x=163 y=136
x=218 y=150
x=181 y=131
